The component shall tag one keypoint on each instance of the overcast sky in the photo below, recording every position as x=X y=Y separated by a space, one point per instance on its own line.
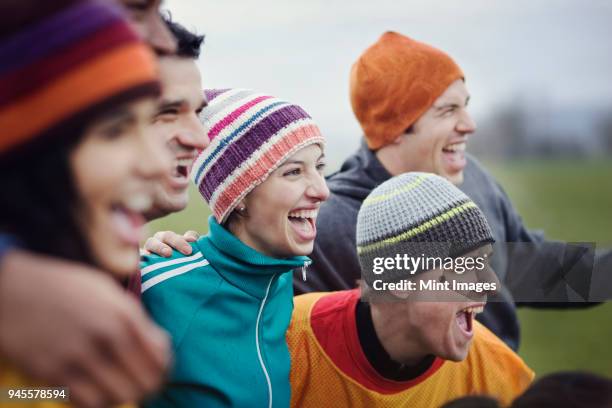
x=554 y=52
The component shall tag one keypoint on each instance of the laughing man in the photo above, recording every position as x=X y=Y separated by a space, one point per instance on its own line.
x=411 y=100
x=176 y=119
x=417 y=348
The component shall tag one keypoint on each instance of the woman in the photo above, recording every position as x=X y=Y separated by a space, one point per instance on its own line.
x=76 y=160
x=228 y=304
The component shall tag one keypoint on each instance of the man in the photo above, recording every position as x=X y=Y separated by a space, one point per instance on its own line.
x=411 y=101
x=406 y=347
x=68 y=298
x=176 y=120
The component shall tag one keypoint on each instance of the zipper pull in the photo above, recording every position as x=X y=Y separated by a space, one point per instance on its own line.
x=306 y=264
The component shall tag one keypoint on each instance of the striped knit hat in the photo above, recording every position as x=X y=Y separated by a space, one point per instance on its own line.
x=251 y=134
x=62 y=66
x=417 y=214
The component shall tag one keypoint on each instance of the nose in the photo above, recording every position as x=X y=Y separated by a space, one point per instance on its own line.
x=155 y=159
x=466 y=125
x=193 y=135
x=487 y=274
x=318 y=188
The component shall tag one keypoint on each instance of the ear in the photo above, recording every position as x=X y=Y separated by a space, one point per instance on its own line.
x=241 y=206
x=400 y=294
x=398 y=139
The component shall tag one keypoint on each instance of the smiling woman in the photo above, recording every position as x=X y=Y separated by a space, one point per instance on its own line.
x=278 y=217
x=76 y=164
x=117 y=198
x=228 y=304
x=75 y=174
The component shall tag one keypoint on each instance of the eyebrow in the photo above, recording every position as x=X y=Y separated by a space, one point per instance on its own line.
x=141 y=5
x=118 y=114
x=452 y=104
x=165 y=103
x=202 y=105
x=179 y=103
x=301 y=161
x=446 y=106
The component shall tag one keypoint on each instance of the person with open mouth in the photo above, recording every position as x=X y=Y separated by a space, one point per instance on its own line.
x=176 y=119
x=77 y=166
x=406 y=347
x=228 y=303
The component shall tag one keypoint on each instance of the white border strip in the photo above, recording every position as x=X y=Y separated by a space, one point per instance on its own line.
x=171 y=262
x=171 y=274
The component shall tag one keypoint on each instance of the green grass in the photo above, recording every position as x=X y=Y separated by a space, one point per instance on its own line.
x=570 y=200
x=194 y=217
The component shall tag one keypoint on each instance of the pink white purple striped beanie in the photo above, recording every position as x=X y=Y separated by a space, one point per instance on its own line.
x=251 y=134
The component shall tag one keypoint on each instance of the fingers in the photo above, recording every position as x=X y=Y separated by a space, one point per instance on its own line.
x=174 y=240
x=153 y=343
x=191 y=236
x=110 y=350
x=163 y=242
x=83 y=393
x=129 y=361
x=114 y=384
x=149 y=359
x=155 y=246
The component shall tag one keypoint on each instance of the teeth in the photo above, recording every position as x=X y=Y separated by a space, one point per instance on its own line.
x=456 y=147
x=473 y=309
x=304 y=214
x=138 y=202
x=183 y=162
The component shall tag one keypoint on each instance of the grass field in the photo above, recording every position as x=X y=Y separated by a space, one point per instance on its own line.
x=570 y=200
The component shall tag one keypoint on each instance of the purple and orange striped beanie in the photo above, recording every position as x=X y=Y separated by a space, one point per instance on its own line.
x=251 y=134
x=63 y=66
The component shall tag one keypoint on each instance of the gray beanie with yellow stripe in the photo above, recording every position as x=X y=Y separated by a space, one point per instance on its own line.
x=418 y=215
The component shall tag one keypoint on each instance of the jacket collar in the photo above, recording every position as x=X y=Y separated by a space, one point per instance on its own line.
x=242 y=265
x=371 y=165
x=359 y=174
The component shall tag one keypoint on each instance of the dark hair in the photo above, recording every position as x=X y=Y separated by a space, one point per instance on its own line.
x=188 y=43
x=39 y=204
x=567 y=390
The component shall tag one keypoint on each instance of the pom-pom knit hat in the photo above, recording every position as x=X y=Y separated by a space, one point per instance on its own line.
x=251 y=134
x=394 y=82
x=63 y=65
x=417 y=214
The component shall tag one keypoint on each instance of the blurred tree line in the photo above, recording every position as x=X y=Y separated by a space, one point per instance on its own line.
x=525 y=128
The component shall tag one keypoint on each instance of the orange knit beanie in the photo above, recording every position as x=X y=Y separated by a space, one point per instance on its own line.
x=394 y=82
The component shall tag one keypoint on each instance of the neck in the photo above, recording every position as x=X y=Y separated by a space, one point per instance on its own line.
x=391 y=160
x=377 y=345
x=236 y=227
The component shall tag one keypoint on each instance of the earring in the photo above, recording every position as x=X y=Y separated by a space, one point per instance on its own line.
x=241 y=209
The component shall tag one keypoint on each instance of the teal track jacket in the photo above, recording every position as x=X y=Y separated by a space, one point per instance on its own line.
x=226 y=307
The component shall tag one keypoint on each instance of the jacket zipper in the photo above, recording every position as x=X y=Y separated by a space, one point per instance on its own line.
x=259 y=355
x=306 y=265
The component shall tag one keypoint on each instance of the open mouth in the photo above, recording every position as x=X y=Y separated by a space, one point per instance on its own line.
x=304 y=223
x=182 y=168
x=465 y=318
x=127 y=217
x=454 y=156
x=455 y=148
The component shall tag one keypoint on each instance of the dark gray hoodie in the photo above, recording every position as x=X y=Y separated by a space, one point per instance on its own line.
x=336 y=265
